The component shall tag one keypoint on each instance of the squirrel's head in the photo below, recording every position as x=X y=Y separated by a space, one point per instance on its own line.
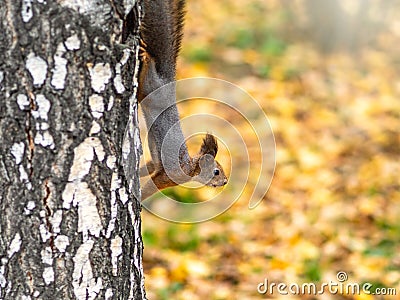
x=209 y=171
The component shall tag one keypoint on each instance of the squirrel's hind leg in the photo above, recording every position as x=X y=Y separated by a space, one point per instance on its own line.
x=159 y=180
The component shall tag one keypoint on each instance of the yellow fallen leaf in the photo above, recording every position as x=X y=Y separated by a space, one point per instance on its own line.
x=363 y=296
x=276 y=263
x=197 y=268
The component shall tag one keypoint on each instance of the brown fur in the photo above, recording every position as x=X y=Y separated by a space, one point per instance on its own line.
x=161 y=35
x=160 y=180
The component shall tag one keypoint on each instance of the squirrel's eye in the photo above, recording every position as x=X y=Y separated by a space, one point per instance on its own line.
x=216 y=172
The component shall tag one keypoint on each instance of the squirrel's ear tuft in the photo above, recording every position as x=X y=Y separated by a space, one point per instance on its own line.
x=209 y=145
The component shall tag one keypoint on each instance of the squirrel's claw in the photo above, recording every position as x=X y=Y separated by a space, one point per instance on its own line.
x=142 y=43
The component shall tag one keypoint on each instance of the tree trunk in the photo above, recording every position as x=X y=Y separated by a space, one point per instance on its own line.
x=69 y=223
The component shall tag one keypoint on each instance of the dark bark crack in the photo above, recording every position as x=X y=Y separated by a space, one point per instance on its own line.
x=48 y=214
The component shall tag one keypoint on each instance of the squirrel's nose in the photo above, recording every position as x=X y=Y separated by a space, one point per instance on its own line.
x=225 y=181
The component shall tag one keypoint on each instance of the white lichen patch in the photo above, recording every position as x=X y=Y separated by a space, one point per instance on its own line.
x=45 y=139
x=44 y=233
x=136 y=225
x=73 y=43
x=37 y=67
x=60 y=68
x=123 y=196
x=95 y=128
x=128 y=5
x=96 y=104
x=3 y=281
x=61 y=242
x=100 y=75
x=48 y=275
x=85 y=285
x=55 y=220
x=110 y=103
x=42 y=107
x=42 y=126
x=29 y=207
x=22 y=101
x=47 y=256
x=130 y=143
x=24 y=177
x=83 y=157
x=116 y=251
x=136 y=137
x=115 y=185
x=88 y=215
x=126 y=148
x=134 y=222
x=108 y=294
x=78 y=193
x=42 y=213
x=81 y=6
x=119 y=86
x=17 y=150
x=69 y=194
x=15 y=245
x=26 y=10
x=125 y=56
x=43 y=136
x=111 y=161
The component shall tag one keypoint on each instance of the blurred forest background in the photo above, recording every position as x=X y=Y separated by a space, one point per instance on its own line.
x=327 y=74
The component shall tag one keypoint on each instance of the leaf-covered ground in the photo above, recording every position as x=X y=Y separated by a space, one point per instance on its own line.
x=334 y=203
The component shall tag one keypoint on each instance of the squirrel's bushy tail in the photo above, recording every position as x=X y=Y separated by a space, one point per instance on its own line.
x=162 y=27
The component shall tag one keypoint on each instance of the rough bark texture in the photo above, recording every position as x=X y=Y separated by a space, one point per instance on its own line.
x=69 y=226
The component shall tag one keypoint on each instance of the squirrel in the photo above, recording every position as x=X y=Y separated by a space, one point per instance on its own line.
x=171 y=164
